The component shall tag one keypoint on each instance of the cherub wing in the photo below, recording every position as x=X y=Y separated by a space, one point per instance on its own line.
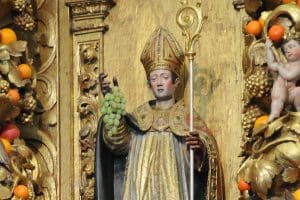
x=257 y=53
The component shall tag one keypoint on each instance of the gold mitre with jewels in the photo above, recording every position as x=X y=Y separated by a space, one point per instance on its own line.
x=162 y=51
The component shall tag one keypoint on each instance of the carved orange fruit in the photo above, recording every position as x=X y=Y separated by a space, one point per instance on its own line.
x=261 y=120
x=7 y=36
x=14 y=95
x=242 y=185
x=296 y=194
x=254 y=28
x=6 y=144
x=22 y=192
x=25 y=71
x=276 y=33
x=287 y=1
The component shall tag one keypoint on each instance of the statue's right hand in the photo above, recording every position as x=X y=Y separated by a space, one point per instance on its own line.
x=105 y=85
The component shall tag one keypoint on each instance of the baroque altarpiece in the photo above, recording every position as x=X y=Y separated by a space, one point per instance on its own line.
x=51 y=55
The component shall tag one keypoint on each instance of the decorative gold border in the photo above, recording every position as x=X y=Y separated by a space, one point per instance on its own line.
x=88 y=29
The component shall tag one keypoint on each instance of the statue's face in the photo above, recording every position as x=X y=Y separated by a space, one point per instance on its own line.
x=292 y=50
x=162 y=85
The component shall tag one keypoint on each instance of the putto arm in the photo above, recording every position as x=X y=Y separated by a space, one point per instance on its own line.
x=289 y=73
x=119 y=142
x=272 y=63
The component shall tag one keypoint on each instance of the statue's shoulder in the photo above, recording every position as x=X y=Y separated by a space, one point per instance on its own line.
x=180 y=120
x=144 y=116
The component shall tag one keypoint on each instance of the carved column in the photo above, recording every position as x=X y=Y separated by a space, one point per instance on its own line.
x=87 y=29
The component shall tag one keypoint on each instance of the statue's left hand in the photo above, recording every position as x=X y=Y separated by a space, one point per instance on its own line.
x=193 y=142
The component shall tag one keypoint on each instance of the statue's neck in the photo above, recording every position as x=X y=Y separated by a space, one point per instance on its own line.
x=164 y=104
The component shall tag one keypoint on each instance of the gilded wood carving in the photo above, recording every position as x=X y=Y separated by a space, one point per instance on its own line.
x=88 y=28
x=271 y=112
x=30 y=159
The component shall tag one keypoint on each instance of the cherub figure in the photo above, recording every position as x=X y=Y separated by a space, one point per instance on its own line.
x=284 y=88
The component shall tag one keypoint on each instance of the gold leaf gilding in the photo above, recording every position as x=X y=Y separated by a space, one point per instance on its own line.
x=288 y=155
x=262 y=175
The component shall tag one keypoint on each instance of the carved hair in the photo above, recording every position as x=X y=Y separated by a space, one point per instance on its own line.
x=292 y=35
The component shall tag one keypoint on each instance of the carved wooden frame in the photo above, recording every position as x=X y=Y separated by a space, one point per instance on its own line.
x=87 y=29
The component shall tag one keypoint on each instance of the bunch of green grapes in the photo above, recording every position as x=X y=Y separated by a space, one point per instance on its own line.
x=113 y=108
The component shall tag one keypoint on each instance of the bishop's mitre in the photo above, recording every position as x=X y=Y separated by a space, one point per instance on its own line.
x=162 y=51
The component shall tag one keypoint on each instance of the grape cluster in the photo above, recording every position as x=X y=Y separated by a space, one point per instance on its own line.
x=26 y=117
x=259 y=83
x=113 y=108
x=249 y=116
x=4 y=86
x=25 y=21
x=29 y=102
x=19 y=5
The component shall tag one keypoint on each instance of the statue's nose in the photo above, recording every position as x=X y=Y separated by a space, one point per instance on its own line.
x=159 y=81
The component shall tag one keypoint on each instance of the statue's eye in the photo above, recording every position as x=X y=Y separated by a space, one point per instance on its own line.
x=153 y=79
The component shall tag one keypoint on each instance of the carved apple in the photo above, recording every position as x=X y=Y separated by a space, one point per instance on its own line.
x=10 y=132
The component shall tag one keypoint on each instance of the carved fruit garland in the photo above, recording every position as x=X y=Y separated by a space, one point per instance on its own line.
x=271 y=151
x=18 y=164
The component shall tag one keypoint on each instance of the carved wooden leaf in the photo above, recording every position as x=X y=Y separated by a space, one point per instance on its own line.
x=285 y=22
x=84 y=131
x=4 y=67
x=245 y=170
x=3 y=173
x=14 y=78
x=288 y=156
x=290 y=175
x=4 y=159
x=294 y=123
x=257 y=53
x=295 y=127
x=262 y=175
x=4 y=192
x=17 y=47
x=273 y=127
x=4 y=55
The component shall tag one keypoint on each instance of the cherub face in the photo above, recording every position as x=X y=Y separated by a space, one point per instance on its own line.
x=292 y=50
x=162 y=85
